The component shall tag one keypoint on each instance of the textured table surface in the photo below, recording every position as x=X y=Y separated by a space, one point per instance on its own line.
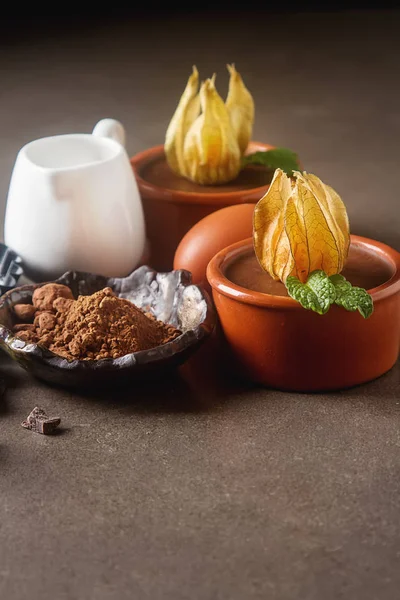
x=199 y=487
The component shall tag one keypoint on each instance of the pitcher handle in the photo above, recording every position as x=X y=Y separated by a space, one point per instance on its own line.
x=110 y=128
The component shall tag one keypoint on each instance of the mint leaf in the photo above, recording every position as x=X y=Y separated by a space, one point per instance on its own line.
x=278 y=158
x=317 y=294
x=323 y=288
x=342 y=286
x=303 y=294
x=320 y=291
x=352 y=298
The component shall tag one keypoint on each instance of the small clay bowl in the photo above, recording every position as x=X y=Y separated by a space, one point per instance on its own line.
x=276 y=342
x=170 y=213
x=170 y=297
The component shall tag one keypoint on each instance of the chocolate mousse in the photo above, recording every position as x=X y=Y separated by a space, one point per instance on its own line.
x=363 y=269
x=157 y=172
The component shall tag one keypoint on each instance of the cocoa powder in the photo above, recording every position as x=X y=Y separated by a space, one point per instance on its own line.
x=92 y=327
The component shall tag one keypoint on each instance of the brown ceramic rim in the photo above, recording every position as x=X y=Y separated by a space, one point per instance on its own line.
x=218 y=281
x=142 y=159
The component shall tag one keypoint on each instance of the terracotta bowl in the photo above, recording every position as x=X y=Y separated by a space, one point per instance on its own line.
x=276 y=342
x=171 y=213
x=170 y=297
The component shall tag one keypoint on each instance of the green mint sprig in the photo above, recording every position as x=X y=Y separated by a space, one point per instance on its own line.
x=321 y=291
x=277 y=158
x=352 y=298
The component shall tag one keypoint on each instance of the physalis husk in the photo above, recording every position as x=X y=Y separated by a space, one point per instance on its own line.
x=206 y=138
x=300 y=226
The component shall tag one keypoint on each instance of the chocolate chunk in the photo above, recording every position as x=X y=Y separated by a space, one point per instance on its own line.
x=24 y=312
x=45 y=321
x=43 y=297
x=39 y=422
x=25 y=332
x=23 y=327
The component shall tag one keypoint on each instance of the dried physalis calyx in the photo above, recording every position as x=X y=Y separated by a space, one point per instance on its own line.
x=302 y=237
x=206 y=137
x=240 y=105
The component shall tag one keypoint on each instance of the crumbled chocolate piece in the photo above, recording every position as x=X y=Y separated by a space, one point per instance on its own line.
x=24 y=327
x=25 y=332
x=24 y=312
x=43 y=297
x=39 y=422
x=45 y=321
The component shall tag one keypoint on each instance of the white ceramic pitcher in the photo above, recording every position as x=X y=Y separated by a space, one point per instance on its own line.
x=73 y=204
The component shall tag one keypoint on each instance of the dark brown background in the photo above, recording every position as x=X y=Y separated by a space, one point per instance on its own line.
x=202 y=487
